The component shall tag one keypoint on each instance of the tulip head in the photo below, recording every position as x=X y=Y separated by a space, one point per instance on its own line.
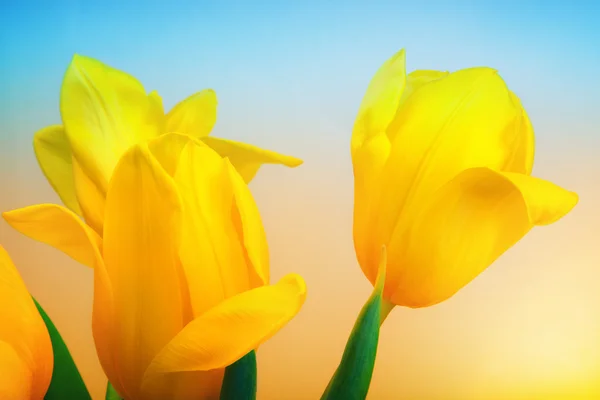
x=104 y=112
x=442 y=167
x=181 y=274
x=26 y=358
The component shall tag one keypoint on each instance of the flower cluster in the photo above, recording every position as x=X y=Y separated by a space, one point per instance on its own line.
x=163 y=214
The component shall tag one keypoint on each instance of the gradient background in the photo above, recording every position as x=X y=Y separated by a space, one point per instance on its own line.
x=290 y=78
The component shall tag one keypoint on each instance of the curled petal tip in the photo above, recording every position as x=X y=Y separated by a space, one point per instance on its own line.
x=296 y=281
x=293 y=162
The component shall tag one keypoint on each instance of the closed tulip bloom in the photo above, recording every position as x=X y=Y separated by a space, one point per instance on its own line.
x=442 y=167
x=26 y=358
x=181 y=275
x=104 y=112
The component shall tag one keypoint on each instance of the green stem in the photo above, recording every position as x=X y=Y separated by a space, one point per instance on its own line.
x=352 y=378
x=239 y=382
x=111 y=393
x=66 y=381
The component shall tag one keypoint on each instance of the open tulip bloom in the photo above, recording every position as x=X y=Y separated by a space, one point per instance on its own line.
x=180 y=258
x=442 y=181
x=162 y=212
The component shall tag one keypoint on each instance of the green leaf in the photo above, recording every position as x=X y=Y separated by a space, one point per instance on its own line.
x=111 y=393
x=239 y=382
x=66 y=381
x=352 y=378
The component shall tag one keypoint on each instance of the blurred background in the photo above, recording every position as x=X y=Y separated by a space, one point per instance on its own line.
x=290 y=78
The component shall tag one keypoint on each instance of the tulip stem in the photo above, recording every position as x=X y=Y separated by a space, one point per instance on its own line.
x=111 y=393
x=239 y=381
x=66 y=380
x=352 y=378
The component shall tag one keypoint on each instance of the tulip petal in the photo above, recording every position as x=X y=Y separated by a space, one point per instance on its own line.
x=22 y=330
x=247 y=158
x=419 y=78
x=466 y=226
x=195 y=116
x=230 y=330
x=250 y=229
x=367 y=165
x=104 y=111
x=142 y=230
x=167 y=149
x=54 y=156
x=521 y=160
x=212 y=257
x=59 y=227
x=156 y=102
x=381 y=101
x=447 y=126
x=104 y=324
x=15 y=376
x=91 y=199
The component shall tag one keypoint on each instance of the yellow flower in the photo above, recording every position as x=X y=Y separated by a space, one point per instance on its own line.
x=181 y=284
x=26 y=358
x=104 y=112
x=442 y=168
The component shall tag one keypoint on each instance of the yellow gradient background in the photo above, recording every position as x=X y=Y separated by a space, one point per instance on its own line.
x=291 y=79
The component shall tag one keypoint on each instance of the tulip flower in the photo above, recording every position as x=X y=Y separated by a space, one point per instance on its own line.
x=104 y=112
x=442 y=167
x=442 y=187
x=181 y=274
x=26 y=357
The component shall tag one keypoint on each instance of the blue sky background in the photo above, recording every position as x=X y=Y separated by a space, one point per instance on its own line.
x=300 y=60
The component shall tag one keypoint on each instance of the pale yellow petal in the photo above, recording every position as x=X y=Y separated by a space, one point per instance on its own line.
x=247 y=158
x=250 y=230
x=381 y=100
x=59 y=227
x=142 y=231
x=104 y=111
x=91 y=198
x=211 y=253
x=230 y=330
x=54 y=156
x=22 y=330
x=195 y=115
x=464 y=228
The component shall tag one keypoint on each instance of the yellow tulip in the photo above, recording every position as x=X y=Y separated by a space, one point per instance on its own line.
x=26 y=358
x=442 y=167
x=104 y=112
x=181 y=284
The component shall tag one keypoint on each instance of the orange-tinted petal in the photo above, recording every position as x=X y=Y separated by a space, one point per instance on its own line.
x=142 y=231
x=230 y=330
x=23 y=331
x=59 y=227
